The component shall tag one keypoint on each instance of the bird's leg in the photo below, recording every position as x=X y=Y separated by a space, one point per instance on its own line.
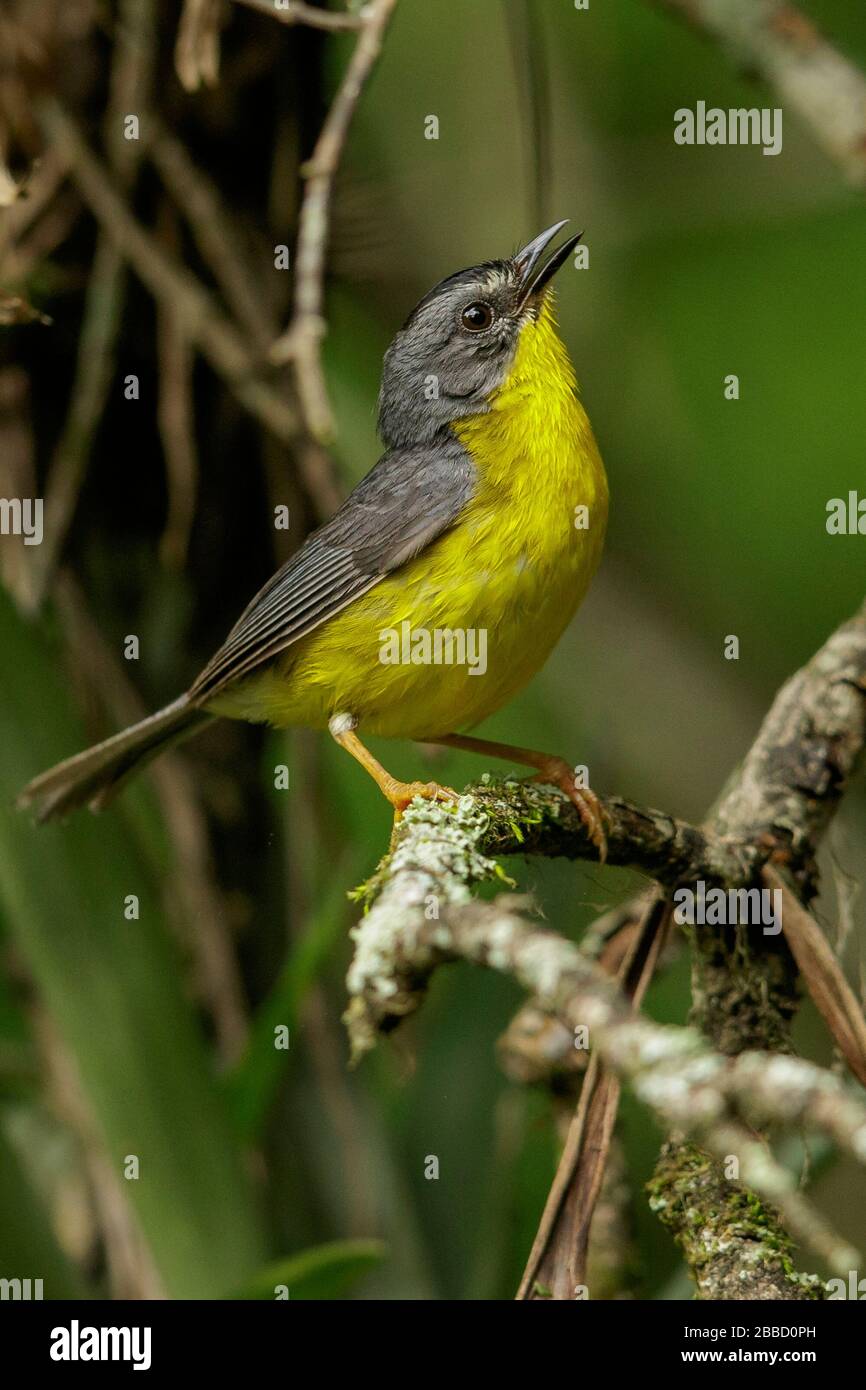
x=551 y=770
x=342 y=729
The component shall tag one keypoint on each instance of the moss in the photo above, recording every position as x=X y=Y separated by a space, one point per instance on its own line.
x=463 y=836
x=732 y=1242
x=743 y=998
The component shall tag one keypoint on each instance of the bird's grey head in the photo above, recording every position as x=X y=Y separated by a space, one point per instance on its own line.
x=457 y=345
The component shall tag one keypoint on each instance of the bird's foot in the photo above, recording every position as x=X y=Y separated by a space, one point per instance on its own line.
x=556 y=772
x=400 y=794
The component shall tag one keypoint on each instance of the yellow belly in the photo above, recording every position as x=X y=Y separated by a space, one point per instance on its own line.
x=504 y=582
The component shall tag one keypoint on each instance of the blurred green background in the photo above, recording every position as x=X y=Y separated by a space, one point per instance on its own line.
x=153 y=1036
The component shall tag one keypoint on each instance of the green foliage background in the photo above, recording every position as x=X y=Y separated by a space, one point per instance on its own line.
x=703 y=262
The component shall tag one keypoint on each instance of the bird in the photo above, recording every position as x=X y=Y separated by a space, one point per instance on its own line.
x=441 y=585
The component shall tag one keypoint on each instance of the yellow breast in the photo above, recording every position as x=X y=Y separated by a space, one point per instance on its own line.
x=508 y=576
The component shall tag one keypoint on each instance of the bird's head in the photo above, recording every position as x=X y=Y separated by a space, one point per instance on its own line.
x=458 y=344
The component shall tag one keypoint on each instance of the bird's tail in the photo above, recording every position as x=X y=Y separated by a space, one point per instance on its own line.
x=92 y=777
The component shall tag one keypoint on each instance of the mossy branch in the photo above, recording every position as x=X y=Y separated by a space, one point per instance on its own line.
x=715 y=1084
x=689 y=1086
x=733 y=1246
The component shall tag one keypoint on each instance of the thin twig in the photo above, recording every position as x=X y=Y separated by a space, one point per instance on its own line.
x=297 y=12
x=93 y=374
x=557 y=1261
x=526 y=36
x=215 y=336
x=38 y=244
x=197 y=48
x=132 y=1272
x=215 y=232
x=176 y=421
x=822 y=973
x=40 y=191
x=131 y=78
x=301 y=342
x=221 y=245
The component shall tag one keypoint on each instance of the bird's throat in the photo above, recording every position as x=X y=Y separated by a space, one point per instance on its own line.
x=535 y=431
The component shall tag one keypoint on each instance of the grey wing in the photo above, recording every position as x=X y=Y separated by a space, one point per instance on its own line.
x=411 y=496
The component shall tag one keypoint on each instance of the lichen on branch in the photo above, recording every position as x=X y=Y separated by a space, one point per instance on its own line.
x=717 y=1084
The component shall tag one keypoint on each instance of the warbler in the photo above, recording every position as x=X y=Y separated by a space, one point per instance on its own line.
x=485 y=515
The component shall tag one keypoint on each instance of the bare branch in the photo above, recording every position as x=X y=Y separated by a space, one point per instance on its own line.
x=203 y=322
x=40 y=189
x=822 y=973
x=176 y=420
x=775 y=40
x=806 y=752
x=297 y=12
x=215 y=233
x=301 y=342
x=781 y=800
x=221 y=245
x=197 y=50
x=131 y=79
x=14 y=309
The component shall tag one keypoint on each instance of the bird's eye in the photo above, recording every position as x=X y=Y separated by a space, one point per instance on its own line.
x=477 y=317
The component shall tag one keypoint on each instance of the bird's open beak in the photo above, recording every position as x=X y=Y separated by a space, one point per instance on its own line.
x=533 y=279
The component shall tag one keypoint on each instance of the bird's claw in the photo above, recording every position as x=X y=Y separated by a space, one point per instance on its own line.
x=557 y=773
